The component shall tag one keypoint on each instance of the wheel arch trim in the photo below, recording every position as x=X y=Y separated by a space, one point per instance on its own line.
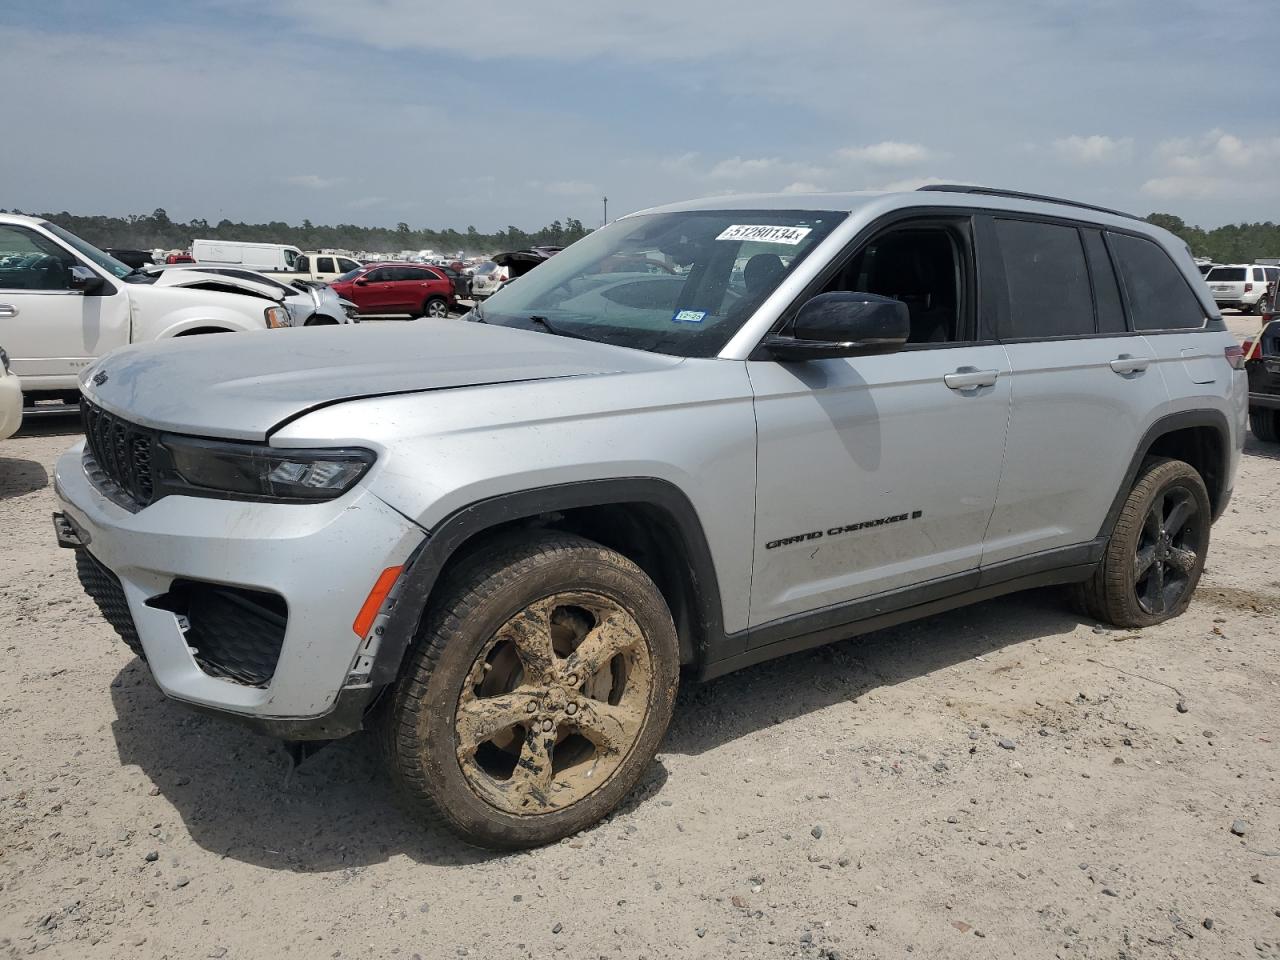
x=1172 y=423
x=444 y=540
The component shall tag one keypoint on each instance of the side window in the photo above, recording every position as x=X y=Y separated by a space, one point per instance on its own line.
x=344 y=264
x=1258 y=275
x=381 y=275
x=324 y=265
x=1159 y=296
x=923 y=266
x=29 y=261
x=302 y=264
x=1048 y=281
x=1106 y=289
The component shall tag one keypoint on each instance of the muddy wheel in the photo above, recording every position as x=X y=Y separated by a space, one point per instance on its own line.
x=538 y=693
x=1265 y=424
x=1156 y=553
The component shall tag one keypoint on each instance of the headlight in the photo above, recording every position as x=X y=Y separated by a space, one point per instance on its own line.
x=248 y=471
x=277 y=317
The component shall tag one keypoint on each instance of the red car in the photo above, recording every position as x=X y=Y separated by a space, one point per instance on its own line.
x=401 y=288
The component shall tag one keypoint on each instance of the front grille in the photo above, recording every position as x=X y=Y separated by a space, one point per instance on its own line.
x=122 y=452
x=104 y=587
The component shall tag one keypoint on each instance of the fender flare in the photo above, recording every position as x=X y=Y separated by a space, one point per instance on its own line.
x=1213 y=419
x=425 y=565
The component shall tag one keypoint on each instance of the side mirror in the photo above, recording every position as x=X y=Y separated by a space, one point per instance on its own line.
x=361 y=282
x=83 y=279
x=843 y=324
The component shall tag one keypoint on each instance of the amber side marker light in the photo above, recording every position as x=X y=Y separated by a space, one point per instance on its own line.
x=373 y=603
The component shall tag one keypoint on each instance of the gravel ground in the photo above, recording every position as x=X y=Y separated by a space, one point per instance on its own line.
x=1001 y=781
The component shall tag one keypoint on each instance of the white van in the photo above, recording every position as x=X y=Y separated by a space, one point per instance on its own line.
x=64 y=303
x=251 y=256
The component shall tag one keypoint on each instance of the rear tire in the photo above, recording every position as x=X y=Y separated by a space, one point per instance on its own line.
x=1265 y=425
x=436 y=308
x=537 y=693
x=1156 y=552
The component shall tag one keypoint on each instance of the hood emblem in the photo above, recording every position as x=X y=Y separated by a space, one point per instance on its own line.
x=100 y=378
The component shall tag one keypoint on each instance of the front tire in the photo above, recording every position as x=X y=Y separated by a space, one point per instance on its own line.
x=1156 y=553
x=537 y=694
x=1265 y=425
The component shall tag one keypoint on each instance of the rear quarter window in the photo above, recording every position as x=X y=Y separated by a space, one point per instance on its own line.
x=1226 y=275
x=1159 y=296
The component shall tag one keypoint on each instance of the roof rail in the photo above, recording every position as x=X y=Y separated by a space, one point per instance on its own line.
x=1016 y=195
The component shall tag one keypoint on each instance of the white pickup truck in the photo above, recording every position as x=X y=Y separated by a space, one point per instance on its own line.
x=278 y=259
x=64 y=303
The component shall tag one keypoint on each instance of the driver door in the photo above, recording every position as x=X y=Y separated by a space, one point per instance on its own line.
x=51 y=331
x=877 y=475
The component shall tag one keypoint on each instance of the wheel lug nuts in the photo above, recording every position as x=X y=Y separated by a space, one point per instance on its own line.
x=532 y=707
x=546 y=726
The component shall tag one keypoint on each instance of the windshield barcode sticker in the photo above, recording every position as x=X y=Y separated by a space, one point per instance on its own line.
x=765 y=234
x=689 y=316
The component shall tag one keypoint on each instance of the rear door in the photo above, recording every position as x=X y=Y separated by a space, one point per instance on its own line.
x=326 y=269
x=50 y=331
x=1084 y=389
x=878 y=474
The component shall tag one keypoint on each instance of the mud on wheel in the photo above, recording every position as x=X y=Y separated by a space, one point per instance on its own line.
x=1156 y=553
x=537 y=695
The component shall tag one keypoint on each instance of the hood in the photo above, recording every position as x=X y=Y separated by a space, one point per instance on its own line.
x=242 y=385
x=216 y=282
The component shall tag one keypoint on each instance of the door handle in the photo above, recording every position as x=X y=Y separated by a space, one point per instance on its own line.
x=8 y=310
x=970 y=378
x=1127 y=363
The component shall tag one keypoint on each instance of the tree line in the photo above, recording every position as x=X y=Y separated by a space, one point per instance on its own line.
x=148 y=231
x=1234 y=243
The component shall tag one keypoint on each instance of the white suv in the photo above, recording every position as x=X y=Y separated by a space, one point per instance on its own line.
x=1241 y=285
x=64 y=303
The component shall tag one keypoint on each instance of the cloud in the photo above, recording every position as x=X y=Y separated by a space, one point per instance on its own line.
x=802 y=186
x=736 y=168
x=1217 y=165
x=313 y=181
x=889 y=153
x=1094 y=149
x=909 y=184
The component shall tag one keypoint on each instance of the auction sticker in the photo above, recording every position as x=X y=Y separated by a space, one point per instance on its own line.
x=765 y=234
x=689 y=316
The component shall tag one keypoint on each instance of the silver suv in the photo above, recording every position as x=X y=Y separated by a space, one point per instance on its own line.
x=498 y=542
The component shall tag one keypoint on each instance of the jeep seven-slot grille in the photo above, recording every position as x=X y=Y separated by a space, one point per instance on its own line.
x=121 y=450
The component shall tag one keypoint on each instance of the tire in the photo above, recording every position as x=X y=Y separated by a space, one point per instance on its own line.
x=1123 y=591
x=1265 y=424
x=320 y=320
x=437 y=308
x=507 y=746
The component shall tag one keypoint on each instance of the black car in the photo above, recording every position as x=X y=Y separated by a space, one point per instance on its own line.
x=1262 y=360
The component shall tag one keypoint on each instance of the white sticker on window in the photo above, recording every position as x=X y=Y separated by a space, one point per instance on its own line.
x=765 y=234
x=689 y=316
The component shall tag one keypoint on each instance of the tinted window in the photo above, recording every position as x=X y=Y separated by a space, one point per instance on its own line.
x=325 y=265
x=1159 y=297
x=413 y=273
x=302 y=265
x=1226 y=275
x=1106 y=289
x=381 y=275
x=1273 y=273
x=1258 y=274
x=345 y=265
x=1048 y=282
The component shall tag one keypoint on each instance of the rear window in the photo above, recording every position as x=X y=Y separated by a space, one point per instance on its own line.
x=1226 y=275
x=1159 y=296
x=1048 y=281
x=486 y=268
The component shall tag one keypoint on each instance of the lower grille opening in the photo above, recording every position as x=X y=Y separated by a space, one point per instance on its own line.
x=105 y=589
x=234 y=633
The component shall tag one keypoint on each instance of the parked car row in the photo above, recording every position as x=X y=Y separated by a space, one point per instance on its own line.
x=1241 y=286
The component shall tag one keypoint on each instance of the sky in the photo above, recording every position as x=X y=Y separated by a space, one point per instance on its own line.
x=496 y=114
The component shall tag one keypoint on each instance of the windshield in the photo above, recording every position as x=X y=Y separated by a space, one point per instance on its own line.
x=90 y=252
x=676 y=283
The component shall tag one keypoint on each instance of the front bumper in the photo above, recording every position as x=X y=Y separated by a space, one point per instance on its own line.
x=320 y=559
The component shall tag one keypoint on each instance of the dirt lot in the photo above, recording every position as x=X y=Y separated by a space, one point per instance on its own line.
x=1002 y=781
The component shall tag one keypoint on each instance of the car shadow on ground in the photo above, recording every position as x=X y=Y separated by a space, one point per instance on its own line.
x=63 y=423
x=1253 y=447
x=239 y=796
x=19 y=477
